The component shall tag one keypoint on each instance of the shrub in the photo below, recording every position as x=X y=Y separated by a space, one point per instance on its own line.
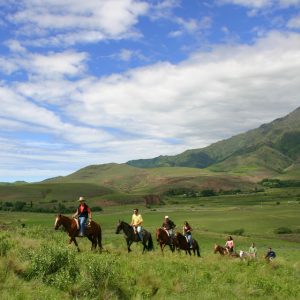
x=283 y=230
x=208 y=193
x=96 y=208
x=239 y=231
x=5 y=244
x=100 y=276
x=55 y=265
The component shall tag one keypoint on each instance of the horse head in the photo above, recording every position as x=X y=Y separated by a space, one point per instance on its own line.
x=217 y=248
x=57 y=221
x=119 y=227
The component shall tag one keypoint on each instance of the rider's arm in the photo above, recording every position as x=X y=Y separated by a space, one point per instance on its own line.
x=76 y=214
x=90 y=214
x=140 y=221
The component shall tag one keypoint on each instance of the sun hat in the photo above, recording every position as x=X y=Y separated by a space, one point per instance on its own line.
x=166 y=217
x=81 y=199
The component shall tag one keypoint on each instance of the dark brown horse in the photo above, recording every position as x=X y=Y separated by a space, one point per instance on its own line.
x=92 y=232
x=223 y=251
x=163 y=239
x=181 y=243
x=131 y=236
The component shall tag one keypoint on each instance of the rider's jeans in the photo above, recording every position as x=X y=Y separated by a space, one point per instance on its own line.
x=82 y=222
x=139 y=231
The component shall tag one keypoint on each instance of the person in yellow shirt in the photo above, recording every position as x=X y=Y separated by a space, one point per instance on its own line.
x=137 y=222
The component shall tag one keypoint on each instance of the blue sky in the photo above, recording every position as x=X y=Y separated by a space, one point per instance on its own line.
x=99 y=81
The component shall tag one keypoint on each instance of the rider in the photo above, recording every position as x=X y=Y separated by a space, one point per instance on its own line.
x=187 y=233
x=253 y=251
x=83 y=212
x=229 y=245
x=168 y=226
x=137 y=222
x=270 y=255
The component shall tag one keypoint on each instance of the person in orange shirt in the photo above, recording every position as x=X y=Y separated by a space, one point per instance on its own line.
x=83 y=213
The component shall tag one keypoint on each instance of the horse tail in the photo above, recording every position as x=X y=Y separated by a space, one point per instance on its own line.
x=197 y=248
x=99 y=238
x=150 y=242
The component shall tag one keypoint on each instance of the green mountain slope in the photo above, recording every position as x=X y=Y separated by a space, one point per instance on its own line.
x=282 y=136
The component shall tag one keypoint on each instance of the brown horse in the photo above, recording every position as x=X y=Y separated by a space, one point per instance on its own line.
x=181 y=243
x=163 y=239
x=223 y=251
x=92 y=232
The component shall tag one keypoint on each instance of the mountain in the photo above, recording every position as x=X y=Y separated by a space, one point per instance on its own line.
x=272 y=150
x=237 y=163
x=272 y=147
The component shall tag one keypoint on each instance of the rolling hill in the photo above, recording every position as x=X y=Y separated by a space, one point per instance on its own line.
x=271 y=148
x=237 y=163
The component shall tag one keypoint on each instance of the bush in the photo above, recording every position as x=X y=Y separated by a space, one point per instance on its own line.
x=96 y=208
x=5 y=244
x=283 y=230
x=239 y=231
x=55 y=265
x=100 y=276
x=208 y=193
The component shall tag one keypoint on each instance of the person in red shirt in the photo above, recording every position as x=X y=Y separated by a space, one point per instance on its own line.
x=83 y=213
x=187 y=233
x=229 y=245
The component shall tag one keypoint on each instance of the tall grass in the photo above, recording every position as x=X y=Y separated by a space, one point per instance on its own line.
x=37 y=262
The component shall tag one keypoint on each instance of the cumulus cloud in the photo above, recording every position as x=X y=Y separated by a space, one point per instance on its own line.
x=294 y=22
x=92 y=20
x=211 y=94
x=58 y=114
x=258 y=4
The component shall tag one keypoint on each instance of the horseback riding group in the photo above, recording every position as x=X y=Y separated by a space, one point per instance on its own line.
x=82 y=225
x=229 y=250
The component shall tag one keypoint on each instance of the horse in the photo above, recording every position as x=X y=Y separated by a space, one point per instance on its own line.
x=223 y=251
x=181 y=243
x=245 y=255
x=92 y=232
x=220 y=249
x=163 y=239
x=131 y=236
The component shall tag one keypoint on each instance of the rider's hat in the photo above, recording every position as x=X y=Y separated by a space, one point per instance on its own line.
x=81 y=199
x=166 y=217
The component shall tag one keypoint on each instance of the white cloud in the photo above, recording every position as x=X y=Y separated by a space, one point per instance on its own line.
x=68 y=63
x=137 y=114
x=294 y=22
x=249 y=3
x=93 y=20
x=258 y=4
x=199 y=96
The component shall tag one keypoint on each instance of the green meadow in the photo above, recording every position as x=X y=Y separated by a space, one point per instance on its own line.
x=37 y=262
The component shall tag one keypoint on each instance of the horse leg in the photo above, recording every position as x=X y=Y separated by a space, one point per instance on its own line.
x=162 y=246
x=128 y=245
x=92 y=239
x=145 y=247
x=75 y=242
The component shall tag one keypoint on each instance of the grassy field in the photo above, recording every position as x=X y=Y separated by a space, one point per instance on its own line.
x=37 y=263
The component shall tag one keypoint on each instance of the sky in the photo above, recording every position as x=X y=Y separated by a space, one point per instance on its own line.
x=101 y=81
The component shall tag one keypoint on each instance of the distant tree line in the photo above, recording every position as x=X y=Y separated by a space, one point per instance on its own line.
x=186 y=192
x=29 y=207
x=277 y=183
